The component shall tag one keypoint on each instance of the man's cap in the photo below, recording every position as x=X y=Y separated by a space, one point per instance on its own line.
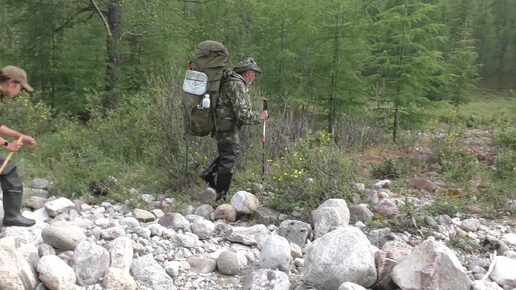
x=247 y=64
x=16 y=74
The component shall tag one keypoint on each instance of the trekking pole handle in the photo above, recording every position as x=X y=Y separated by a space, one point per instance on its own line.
x=9 y=156
x=265 y=104
x=264 y=108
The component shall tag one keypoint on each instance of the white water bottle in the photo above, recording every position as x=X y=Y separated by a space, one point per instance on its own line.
x=206 y=101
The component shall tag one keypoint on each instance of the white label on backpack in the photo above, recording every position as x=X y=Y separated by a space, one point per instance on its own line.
x=195 y=82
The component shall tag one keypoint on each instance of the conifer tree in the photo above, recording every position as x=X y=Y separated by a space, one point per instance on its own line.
x=461 y=60
x=404 y=61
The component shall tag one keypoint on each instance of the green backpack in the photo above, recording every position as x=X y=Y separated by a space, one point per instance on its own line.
x=201 y=87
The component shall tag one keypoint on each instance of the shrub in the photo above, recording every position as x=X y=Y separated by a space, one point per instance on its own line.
x=358 y=131
x=446 y=204
x=77 y=156
x=310 y=172
x=454 y=160
x=31 y=118
x=506 y=138
x=388 y=169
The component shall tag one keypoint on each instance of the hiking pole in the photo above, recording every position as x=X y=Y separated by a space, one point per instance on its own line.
x=9 y=156
x=265 y=108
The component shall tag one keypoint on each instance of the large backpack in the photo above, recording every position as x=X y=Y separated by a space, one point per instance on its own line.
x=201 y=87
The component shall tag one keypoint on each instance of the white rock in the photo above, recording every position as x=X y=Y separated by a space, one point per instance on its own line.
x=59 y=206
x=54 y=272
x=15 y=271
x=204 y=229
x=265 y=279
x=510 y=239
x=275 y=254
x=431 y=265
x=117 y=278
x=504 y=271
x=343 y=255
x=330 y=214
x=121 y=253
x=244 y=202
x=231 y=262
x=350 y=286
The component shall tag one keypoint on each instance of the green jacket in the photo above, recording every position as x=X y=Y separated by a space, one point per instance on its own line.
x=234 y=109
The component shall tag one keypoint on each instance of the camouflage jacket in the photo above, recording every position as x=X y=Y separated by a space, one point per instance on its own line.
x=233 y=109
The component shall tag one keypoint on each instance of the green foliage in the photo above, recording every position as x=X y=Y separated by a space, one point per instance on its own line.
x=467 y=244
x=31 y=118
x=309 y=173
x=405 y=64
x=446 y=204
x=320 y=59
x=506 y=137
x=486 y=109
x=400 y=168
x=454 y=161
x=77 y=156
x=461 y=56
x=388 y=169
x=505 y=165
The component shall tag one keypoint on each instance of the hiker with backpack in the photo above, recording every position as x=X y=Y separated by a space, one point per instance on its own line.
x=13 y=80
x=232 y=111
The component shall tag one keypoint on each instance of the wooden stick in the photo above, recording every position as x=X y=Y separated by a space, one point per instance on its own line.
x=9 y=156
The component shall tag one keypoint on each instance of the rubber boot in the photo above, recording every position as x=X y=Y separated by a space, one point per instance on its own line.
x=208 y=175
x=12 y=205
x=223 y=183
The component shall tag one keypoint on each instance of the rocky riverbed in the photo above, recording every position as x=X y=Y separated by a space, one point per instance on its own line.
x=241 y=245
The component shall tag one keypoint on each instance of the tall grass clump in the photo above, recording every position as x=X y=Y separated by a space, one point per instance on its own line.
x=499 y=192
x=309 y=172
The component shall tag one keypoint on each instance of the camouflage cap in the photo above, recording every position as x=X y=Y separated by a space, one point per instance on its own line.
x=247 y=64
x=16 y=74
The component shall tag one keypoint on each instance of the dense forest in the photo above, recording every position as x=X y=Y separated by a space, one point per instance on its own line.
x=389 y=59
x=329 y=54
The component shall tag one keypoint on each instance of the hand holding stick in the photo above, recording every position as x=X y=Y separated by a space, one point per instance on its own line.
x=9 y=156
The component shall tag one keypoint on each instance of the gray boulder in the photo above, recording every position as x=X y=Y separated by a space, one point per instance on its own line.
x=91 y=262
x=343 y=255
x=231 y=262
x=148 y=273
x=59 y=206
x=431 y=265
x=117 y=278
x=295 y=231
x=63 y=235
x=244 y=202
x=251 y=236
x=330 y=214
x=265 y=279
x=55 y=273
x=121 y=253
x=504 y=271
x=15 y=271
x=275 y=254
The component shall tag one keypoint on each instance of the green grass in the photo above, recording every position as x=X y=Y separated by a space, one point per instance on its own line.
x=142 y=147
x=491 y=108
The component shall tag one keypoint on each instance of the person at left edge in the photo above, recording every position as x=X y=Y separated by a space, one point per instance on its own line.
x=13 y=80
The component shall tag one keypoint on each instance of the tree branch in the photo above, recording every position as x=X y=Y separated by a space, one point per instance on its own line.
x=143 y=33
x=101 y=15
x=76 y=14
